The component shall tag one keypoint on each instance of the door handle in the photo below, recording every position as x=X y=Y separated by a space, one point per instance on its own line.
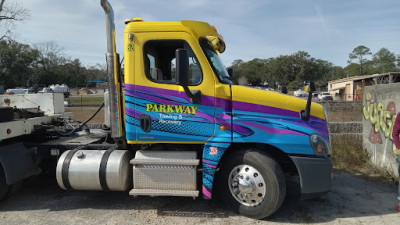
x=145 y=122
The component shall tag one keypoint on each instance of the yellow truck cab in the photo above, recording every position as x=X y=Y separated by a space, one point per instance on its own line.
x=177 y=91
x=181 y=127
x=175 y=125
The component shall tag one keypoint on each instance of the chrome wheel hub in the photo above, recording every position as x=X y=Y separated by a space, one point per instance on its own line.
x=247 y=185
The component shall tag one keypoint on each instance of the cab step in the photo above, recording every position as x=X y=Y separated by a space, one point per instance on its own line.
x=151 y=192
x=165 y=173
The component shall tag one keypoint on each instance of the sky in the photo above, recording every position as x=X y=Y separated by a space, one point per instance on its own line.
x=327 y=30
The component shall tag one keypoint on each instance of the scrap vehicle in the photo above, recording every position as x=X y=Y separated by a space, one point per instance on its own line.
x=56 y=88
x=17 y=91
x=176 y=125
x=325 y=96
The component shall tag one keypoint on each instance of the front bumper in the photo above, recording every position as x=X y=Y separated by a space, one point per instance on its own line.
x=315 y=175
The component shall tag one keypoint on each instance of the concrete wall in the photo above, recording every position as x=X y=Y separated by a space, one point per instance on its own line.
x=349 y=130
x=381 y=103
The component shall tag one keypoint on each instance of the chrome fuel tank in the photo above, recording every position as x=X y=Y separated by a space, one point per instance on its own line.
x=107 y=170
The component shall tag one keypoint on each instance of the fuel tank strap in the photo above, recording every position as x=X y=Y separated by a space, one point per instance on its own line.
x=102 y=170
x=65 y=169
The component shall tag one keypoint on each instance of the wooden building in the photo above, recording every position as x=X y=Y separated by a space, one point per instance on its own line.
x=352 y=88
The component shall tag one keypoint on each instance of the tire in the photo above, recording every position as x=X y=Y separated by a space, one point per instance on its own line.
x=4 y=188
x=252 y=184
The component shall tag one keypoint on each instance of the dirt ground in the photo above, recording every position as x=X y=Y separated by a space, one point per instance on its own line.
x=83 y=113
x=354 y=199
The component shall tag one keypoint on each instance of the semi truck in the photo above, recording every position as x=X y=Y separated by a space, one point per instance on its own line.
x=176 y=125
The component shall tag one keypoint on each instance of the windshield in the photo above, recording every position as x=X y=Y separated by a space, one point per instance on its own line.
x=216 y=63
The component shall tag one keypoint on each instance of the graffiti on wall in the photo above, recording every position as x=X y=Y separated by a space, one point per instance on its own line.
x=382 y=119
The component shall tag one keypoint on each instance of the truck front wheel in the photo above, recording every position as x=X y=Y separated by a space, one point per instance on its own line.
x=252 y=184
x=4 y=188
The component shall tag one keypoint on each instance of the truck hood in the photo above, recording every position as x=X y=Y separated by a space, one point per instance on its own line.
x=271 y=111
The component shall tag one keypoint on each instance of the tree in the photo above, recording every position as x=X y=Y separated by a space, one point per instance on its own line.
x=9 y=14
x=255 y=71
x=75 y=73
x=384 y=61
x=48 y=70
x=398 y=61
x=16 y=63
x=22 y=65
x=353 y=69
x=289 y=70
x=360 y=53
x=237 y=66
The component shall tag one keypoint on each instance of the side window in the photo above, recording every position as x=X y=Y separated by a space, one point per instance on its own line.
x=160 y=62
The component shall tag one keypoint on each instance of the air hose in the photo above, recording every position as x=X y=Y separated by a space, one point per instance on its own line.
x=79 y=126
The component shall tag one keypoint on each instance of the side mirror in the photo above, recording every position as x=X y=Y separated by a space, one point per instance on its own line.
x=182 y=76
x=182 y=67
x=284 y=90
x=230 y=72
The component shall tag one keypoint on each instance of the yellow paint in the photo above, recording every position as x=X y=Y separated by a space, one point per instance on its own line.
x=275 y=99
x=191 y=32
x=134 y=62
x=307 y=88
x=197 y=28
x=130 y=47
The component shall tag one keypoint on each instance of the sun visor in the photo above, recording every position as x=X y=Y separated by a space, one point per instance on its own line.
x=203 y=29
x=217 y=43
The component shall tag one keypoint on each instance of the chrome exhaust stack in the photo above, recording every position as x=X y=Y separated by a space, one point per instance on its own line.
x=112 y=67
x=110 y=25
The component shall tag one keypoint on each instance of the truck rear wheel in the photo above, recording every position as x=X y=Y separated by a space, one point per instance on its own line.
x=252 y=184
x=4 y=188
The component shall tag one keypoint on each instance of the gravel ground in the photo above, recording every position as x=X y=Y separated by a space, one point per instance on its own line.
x=354 y=199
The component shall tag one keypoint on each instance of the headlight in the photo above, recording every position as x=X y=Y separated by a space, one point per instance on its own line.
x=320 y=145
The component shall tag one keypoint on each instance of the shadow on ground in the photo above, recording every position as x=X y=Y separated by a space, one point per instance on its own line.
x=352 y=196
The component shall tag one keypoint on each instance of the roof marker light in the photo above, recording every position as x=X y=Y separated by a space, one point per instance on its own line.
x=214 y=28
x=127 y=21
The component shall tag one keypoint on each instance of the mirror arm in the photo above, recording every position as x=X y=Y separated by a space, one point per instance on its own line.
x=305 y=114
x=194 y=96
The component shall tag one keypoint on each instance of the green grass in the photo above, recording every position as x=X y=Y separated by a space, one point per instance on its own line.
x=85 y=100
x=349 y=155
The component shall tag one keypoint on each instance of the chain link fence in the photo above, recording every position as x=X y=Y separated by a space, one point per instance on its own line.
x=348 y=97
x=344 y=111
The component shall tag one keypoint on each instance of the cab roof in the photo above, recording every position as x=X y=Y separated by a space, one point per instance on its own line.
x=197 y=28
x=202 y=29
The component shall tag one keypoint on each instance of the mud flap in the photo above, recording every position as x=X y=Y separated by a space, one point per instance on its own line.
x=18 y=162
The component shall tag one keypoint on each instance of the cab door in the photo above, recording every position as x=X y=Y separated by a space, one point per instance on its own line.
x=159 y=109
